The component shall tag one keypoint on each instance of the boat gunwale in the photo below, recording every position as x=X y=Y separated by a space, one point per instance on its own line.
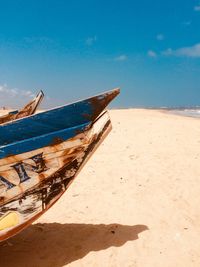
x=19 y=110
x=62 y=106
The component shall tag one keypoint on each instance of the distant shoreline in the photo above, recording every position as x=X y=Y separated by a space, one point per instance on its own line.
x=193 y=112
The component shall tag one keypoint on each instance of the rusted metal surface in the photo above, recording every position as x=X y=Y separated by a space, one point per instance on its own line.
x=29 y=109
x=31 y=182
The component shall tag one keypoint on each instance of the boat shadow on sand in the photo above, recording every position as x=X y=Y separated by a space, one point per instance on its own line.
x=54 y=244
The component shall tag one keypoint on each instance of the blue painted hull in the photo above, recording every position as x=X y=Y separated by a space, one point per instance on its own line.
x=37 y=165
x=57 y=119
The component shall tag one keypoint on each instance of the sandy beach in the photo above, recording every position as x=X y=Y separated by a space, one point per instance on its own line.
x=135 y=203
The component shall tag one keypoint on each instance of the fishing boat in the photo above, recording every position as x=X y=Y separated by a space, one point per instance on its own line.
x=40 y=155
x=28 y=110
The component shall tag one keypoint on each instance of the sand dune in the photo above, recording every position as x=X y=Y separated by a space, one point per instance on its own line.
x=135 y=203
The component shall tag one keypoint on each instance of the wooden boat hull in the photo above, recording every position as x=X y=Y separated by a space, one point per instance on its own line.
x=31 y=182
x=28 y=110
x=45 y=123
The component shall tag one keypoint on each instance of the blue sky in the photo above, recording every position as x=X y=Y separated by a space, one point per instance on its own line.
x=73 y=49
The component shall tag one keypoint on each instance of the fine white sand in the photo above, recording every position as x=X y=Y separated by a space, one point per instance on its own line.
x=135 y=203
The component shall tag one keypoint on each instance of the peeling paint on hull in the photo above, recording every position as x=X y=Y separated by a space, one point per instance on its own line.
x=45 y=183
x=41 y=155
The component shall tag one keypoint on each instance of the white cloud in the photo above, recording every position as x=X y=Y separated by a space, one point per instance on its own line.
x=190 y=51
x=121 y=58
x=197 y=8
x=167 y=52
x=160 y=37
x=91 y=40
x=13 y=92
x=151 y=53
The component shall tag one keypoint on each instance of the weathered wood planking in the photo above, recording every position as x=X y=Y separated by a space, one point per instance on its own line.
x=40 y=156
x=28 y=110
x=55 y=119
x=39 y=141
x=29 y=190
